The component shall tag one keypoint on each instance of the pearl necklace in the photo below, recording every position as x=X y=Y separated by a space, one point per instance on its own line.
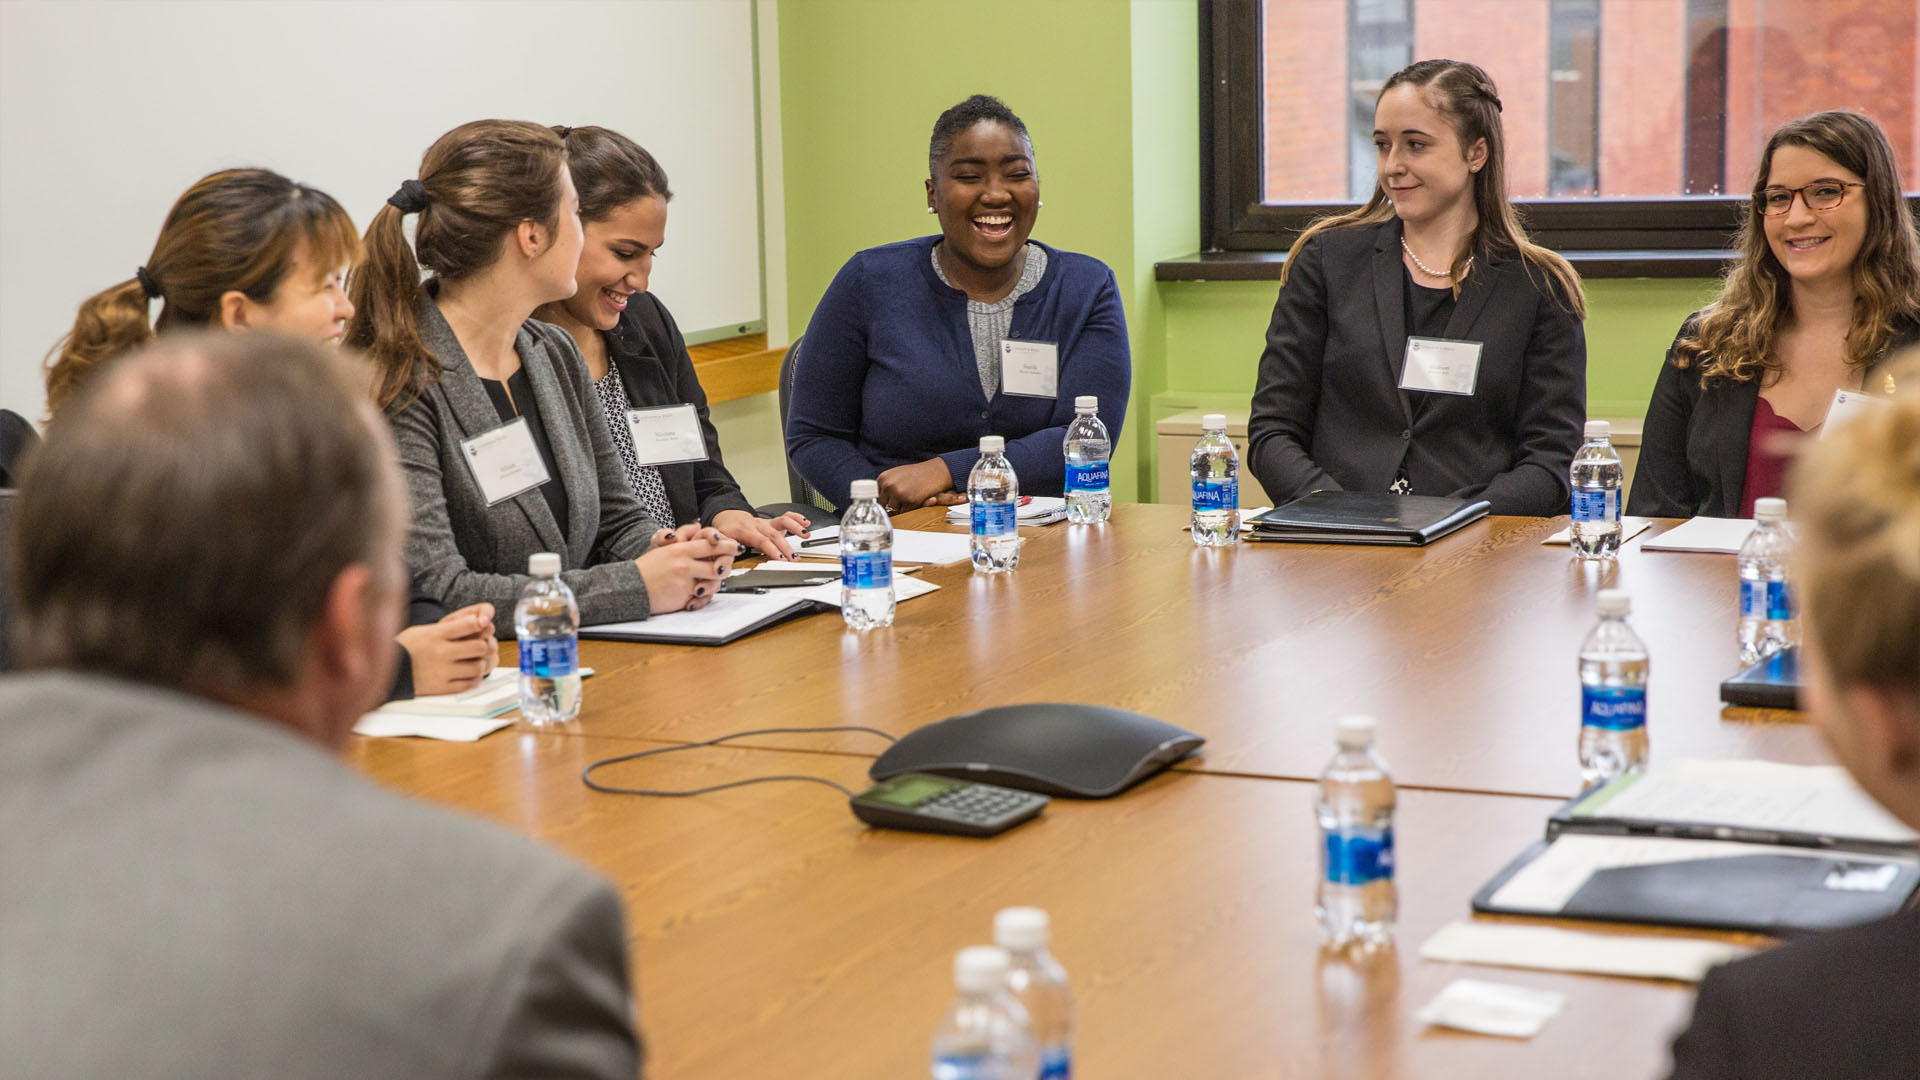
x=1422 y=267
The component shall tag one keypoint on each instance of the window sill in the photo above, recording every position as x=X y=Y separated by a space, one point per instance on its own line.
x=1265 y=265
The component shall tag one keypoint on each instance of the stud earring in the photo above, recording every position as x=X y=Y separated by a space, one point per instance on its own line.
x=929 y=209
x=1040 y=202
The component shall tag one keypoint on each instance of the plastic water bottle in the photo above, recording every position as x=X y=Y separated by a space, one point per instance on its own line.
x=985 y=1034
x=1357 y=903
x=1613 y=694
x=547 y=621
x=866 y=559
x=993 y=498
x=1087 y=448
x=1215 y=471
x=1039 y=983
x=1768 y=619
x=1595 y=532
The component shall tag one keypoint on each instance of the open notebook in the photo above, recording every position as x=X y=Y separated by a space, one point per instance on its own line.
x=733 y=616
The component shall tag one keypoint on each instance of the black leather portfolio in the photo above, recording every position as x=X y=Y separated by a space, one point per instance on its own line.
x=1772 y=683
x=1366 y=517
x=1763 y=848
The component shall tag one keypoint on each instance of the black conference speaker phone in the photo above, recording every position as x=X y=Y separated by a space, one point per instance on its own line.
x=1086 y=751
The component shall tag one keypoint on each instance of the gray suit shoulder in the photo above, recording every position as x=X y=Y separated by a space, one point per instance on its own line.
x=202 y=856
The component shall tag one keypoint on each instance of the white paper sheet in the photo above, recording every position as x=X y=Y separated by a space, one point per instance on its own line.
x=1628 y=530
x=445 y=728
x=498 y=692
x=1492 y=1008
x=1820 y=800
x=1550 y=948
x=909 y=546
x=1722 y=535
x=1037 y=510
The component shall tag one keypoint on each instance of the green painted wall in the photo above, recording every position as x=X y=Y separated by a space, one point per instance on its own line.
x=1113 y=105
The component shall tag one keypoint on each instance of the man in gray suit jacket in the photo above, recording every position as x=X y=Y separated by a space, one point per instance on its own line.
x=208 y=573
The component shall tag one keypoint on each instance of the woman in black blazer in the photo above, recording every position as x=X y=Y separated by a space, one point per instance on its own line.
x=1826 y=287
x=634 y=352
x=1436 y=253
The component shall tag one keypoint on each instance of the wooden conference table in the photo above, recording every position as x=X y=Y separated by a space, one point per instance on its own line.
x=776 y=935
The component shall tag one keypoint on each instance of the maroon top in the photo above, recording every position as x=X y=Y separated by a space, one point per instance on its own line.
x=1769 y=452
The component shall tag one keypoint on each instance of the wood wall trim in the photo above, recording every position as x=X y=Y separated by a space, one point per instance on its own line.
x=737 y=367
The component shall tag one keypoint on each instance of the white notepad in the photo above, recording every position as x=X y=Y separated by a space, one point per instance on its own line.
x=909 y=546
x=1628 y=530
x=1721 y=535
x=1552 y=949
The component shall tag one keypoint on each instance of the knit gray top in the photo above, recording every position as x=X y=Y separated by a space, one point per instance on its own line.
x=988 y=323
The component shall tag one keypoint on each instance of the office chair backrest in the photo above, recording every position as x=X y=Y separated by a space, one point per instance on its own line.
x=797 y=486
x=17 y=437
x=6 y=578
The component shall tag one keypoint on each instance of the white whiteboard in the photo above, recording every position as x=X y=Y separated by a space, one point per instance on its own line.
x=109 y=110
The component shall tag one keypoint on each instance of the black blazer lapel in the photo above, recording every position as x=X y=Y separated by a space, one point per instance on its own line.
x=1390 y=305
x=1473 y=297
x=474 y=412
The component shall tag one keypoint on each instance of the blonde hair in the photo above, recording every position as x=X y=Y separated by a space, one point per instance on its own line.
x=1466 y=96
x=1734 y=337
x=1855 y=497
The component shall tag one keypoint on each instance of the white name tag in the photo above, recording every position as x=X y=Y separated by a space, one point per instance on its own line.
x=1030 y=368
x=1442 y=366
x=505 y=461
x=666 y=435
x=1848 y=406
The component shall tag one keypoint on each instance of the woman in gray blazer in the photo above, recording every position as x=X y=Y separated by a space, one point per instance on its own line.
x=1435 y=258
x=502 y=441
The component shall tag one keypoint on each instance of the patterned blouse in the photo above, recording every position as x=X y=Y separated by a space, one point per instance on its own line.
x=645 y=479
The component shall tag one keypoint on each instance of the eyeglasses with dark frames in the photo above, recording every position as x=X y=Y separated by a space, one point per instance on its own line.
x=1819 y=195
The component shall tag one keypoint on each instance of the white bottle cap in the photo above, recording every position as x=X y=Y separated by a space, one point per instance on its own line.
x=1021 y=929
x=993 y=444
x=980 y=968
x=1613 y=603
x=1213 y=421
x=1086 y=402
x=1354 y=732
x=1598 y=429
x=1770 y=509
x=543 y=564
x=864 y=489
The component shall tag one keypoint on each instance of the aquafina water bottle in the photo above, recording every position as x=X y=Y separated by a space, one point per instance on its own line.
x=1357 y=904
x=993 y=499
x=547 y=621
x=985 y=1035
x=1039 y=983
x=1087 y=449
x=1595 y=532
x=1768 y=619
x=1215 y=471
x=1613 y=694
x=866 y=559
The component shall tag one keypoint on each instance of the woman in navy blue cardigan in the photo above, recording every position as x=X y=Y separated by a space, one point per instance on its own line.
x=899 y=375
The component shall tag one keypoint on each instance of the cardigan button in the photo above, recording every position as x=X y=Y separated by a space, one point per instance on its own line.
x=1406 y=433
x=983 y=414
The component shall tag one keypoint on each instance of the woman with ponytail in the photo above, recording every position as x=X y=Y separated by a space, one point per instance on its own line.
x=242 y=248
x=1826 y=286
x=1436 y=262
x=251 y=249
x=504 y=444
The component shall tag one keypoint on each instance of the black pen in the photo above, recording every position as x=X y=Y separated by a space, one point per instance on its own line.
x=818 y=540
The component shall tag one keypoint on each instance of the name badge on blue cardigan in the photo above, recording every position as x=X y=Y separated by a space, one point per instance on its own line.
x=1030 y=368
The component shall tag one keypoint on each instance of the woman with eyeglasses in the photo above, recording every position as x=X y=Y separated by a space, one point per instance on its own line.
x=1826 y=286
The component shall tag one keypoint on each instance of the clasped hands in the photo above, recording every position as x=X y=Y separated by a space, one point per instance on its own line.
x=924 y=483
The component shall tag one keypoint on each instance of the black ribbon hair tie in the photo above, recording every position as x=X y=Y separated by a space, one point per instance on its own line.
x=147 y=284
x=411 y=198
